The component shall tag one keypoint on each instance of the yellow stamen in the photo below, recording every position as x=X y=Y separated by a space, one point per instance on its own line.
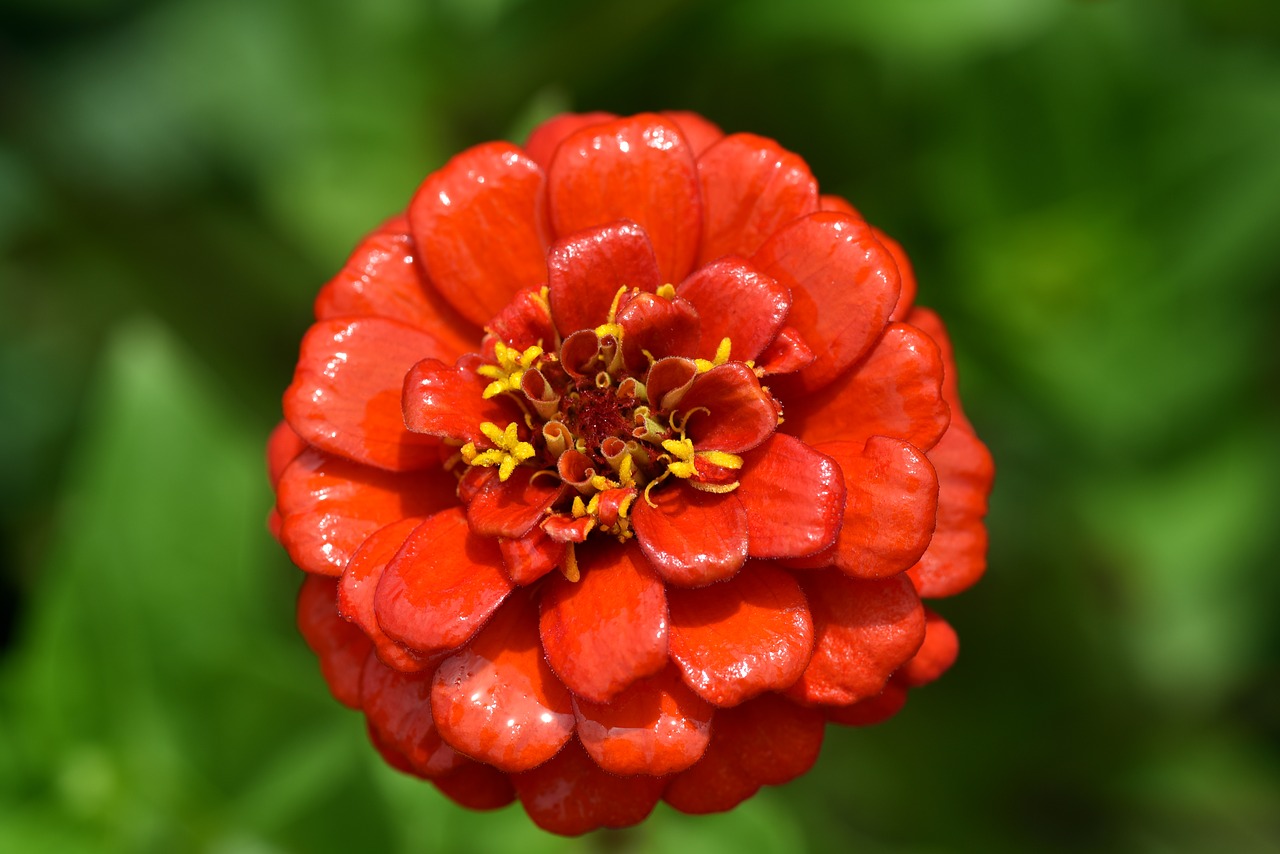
x=508 y=453
x=667 y=291
x=512 y=364
x=722 y=356
x=720 y=458
x=570 y=568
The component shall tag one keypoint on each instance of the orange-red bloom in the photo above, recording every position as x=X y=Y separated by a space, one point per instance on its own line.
x=619 y=466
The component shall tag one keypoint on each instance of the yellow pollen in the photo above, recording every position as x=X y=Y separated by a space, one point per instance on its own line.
x=508 y=452
x=722 y=459
x=722 y=356
x=667 y=291
x=570 y=568
x=682 y=450
x=512 y=364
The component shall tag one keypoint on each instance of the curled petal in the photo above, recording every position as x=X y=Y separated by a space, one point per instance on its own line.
x=492 y=189
x=740 y=414
x=657 y=726
x=398 y=708
x=788 y=353
x=442 y=585
x=896 y=391
x=524 y=322
x=445 y=401
x=497 y=701
x=865 y=631
x=843 y=284
x=476 y=786
x=741 y=637
x=736 y=301
x=546 y=138
x=329 y=505
x=341 y=647
x=345 y=396
x=794 y=498
x=655 y=327
x=571 y=795
x=935 y=656
x=356 y=591
x=641 y=169
x=669 y=380
x=586 y=269
x=692 y=538
x=751 y=187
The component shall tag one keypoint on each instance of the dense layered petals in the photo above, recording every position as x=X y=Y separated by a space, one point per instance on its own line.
x=490 y=189
x=358 y=587
x=641 y=169
x=510 y=508
x=736 y=301
x=741 y=637
x=476 y=786
x=570 y=794
x=448 y=402
x=345 y=396
x=546 y=138
x=398 y=708
x=283 y=447
x=341 y=647
x=608 y=629
x=739 y=414
x=586 y=269
x=700 y=133
x=692 y=538
x=936 y=655
x=843 y=287
x=794 y=498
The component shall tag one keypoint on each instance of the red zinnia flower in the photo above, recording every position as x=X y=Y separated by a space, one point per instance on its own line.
x=619 y=466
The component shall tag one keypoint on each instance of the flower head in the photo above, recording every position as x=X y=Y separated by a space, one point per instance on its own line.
x=619 y=467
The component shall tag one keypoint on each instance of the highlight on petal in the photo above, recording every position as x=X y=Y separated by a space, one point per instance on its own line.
x=654 y=327
x=741 y=637
x=546 y=138
x=345 y=396
x=936 y=655
x=511 y=508
x=442 y=585
x=700 y=133
x=571 y=795
x=794 y=498
x=865 y=631
x=476 y=225
x=907 y=295
x=341 y=647
x=692 y=538
x=448 y=402
x=497 y=701
x=398 y=708
x=531 y=556
x=608 y=629
x=751 y=187
x=736 y=301
x=329 y=505
x=740 y=414
x=359 y=584
x=843 y=283
x=639 y=168
x=585 y=270
x=657 y=726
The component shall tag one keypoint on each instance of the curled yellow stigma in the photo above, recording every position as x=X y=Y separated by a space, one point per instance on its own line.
x=682 y=450
x=512 y=364
x=722 y=356
x=507 y=453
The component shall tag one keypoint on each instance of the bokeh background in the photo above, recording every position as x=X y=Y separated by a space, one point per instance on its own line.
x=1090 y=192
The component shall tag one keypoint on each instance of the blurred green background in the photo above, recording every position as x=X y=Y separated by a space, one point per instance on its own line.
x=1090 y=192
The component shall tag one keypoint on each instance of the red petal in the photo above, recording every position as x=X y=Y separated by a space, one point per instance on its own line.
x=360 y=582
x=957 y=554
x=765 y=741
x=476 y=224
x=341 y=647
x=511 y=508
x=497 y=700
x=873 y=710
x=586 y=269
x=896 y=391
x=907 y=296
x=751 y=187
x=786 y=354
x=442 y=585
x=655 y=727
x=843 y=287
x=345 y=396
x=692 y=538
x=546 y=138
x=522 y=323
x=389 y=754
x=398 y=708
x=330 y=505
x=740 y=413
x=794 y=498
x=742 y=637
x=382 y=279
x=641 y=169
x=654 y=327
x=700 y=133
x=443 y=401
x=865 y=631
x=477 y=787
x=890 y=511
x=570 y=795
x=936 y=655
x=283 y=447
x=531 y=557
x=929 y=323
x=610 y=628
x=736 y=301
x=839 y=205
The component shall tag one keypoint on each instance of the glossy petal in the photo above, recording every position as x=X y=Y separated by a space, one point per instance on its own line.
x=907 y=294
x=929 y=323
x=476 y=225
x=741 y=637
x=356 y=591
x=740 y=414
x=608 y=629
x=765 y=741
x=787 y=353
x=546 y=138
x=736 y=301
x=692 y=538
x=654 y=327
x=329 y=505
x=656 y=727
x=341 y=647
x=700 y=133
x=497 y=701
x=890 y=511
x=398 y=708
x=524 y=322
x=531 y=557
x=843 y=287
x=640 y=169
x=896 y=391
x=477 y=786
x=445 y=401
x=936 y=655
x=794 y=497
x=570 y=795
x=865 y=631
x=586 y=269
x=751 y=187
x=511 y=508
x=382 y=278
x=345 y=396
